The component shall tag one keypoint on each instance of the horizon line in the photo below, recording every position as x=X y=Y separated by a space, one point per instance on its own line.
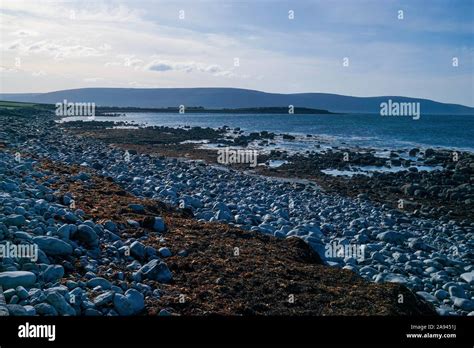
x=246 y=89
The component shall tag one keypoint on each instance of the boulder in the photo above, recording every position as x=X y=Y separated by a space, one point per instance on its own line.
x=391 y=237
x=129 y=304
x=13 y=279
x=86 y=234
x=53 y=246
x=53 y=273
x=156 y=270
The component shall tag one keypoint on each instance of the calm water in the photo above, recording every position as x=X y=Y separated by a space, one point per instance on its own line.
x=456 y=132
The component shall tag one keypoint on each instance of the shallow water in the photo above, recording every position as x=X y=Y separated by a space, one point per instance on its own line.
x=454 y=132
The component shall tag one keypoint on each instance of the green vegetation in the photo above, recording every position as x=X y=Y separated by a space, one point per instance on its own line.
x=117 y=111
x=12 y=105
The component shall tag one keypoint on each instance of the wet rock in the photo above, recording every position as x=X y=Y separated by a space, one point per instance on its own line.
x=15 y=220
x=98 y=281
x=53 y=273
x=129 y=304
x=427 y=296
x=391 y=278
x=391 y=237
x=441 y=294
x=45 y=309
x=16 y=310
x=56 y=300
x=464 y=304
x=104 y=298
x=159 y=225
x=137 y=250
x=456 y=291
x=468 y=277
x=164 y=252
x=14 y=279
x=53 y=246
x=156 y=270
x=86 y=234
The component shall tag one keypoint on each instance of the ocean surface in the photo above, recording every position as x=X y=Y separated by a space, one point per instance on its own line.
x=383 y=132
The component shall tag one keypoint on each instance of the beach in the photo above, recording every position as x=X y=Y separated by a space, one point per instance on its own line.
x=146 y=221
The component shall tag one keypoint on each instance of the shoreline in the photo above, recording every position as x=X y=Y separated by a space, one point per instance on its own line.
x=334 y=140
x=421 y=253
x=363 y=171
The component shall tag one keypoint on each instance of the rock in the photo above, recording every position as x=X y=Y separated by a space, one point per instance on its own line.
x=441 y=294
x=91 y=312
x=391 y=237
x=220 y=206
x=457 y=291
x=45 y=309
x=137 y=250
x=223 y=215
x=82 y=176
x=15 y=220
x=13 y=279
x=136 y=208
x=56 y=300
x=468 y=277
x=427 y=296
x=399 y=257
x=30 y=310
x=156 y=270
x=192 y=201
x=22 y=293
x=36 y=296
x=164 y=252
x=122 y=305
x=129 y=304
x=429 y=153
x=133 y=223
x=391 y=278
x=98 y=281
x=418 y=244
x=159 y=225
x=464 y=304
x=14 y=299
x=376 y=256
x=16 y=310
x=86 y=234
x=104 y=298
x=413 y=152
x=111 y=226
x=52 y=273
x=53 y=246
x=64 y=232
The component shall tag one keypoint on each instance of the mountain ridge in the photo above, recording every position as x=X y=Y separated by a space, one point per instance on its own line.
x=228 y=97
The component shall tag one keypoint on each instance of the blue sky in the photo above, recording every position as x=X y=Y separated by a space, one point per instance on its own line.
x=52 y=45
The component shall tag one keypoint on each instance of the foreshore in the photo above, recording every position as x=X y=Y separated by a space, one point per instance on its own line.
x=126 y=228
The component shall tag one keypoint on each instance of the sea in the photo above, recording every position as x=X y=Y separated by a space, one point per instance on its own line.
x=362 y=130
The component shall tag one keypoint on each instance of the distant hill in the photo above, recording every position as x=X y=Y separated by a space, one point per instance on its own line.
x=228 y=98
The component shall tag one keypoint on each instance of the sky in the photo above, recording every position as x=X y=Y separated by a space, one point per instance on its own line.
x=352 y=47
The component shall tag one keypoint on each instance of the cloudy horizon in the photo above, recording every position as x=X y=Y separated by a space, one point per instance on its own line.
x=361 y=48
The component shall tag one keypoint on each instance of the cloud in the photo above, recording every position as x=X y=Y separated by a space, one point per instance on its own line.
x=188 y=67
x=93 y=79
x=38 y=73
x=160 y=67
x=118 y=41
x=58 y=49
x=25 y=33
